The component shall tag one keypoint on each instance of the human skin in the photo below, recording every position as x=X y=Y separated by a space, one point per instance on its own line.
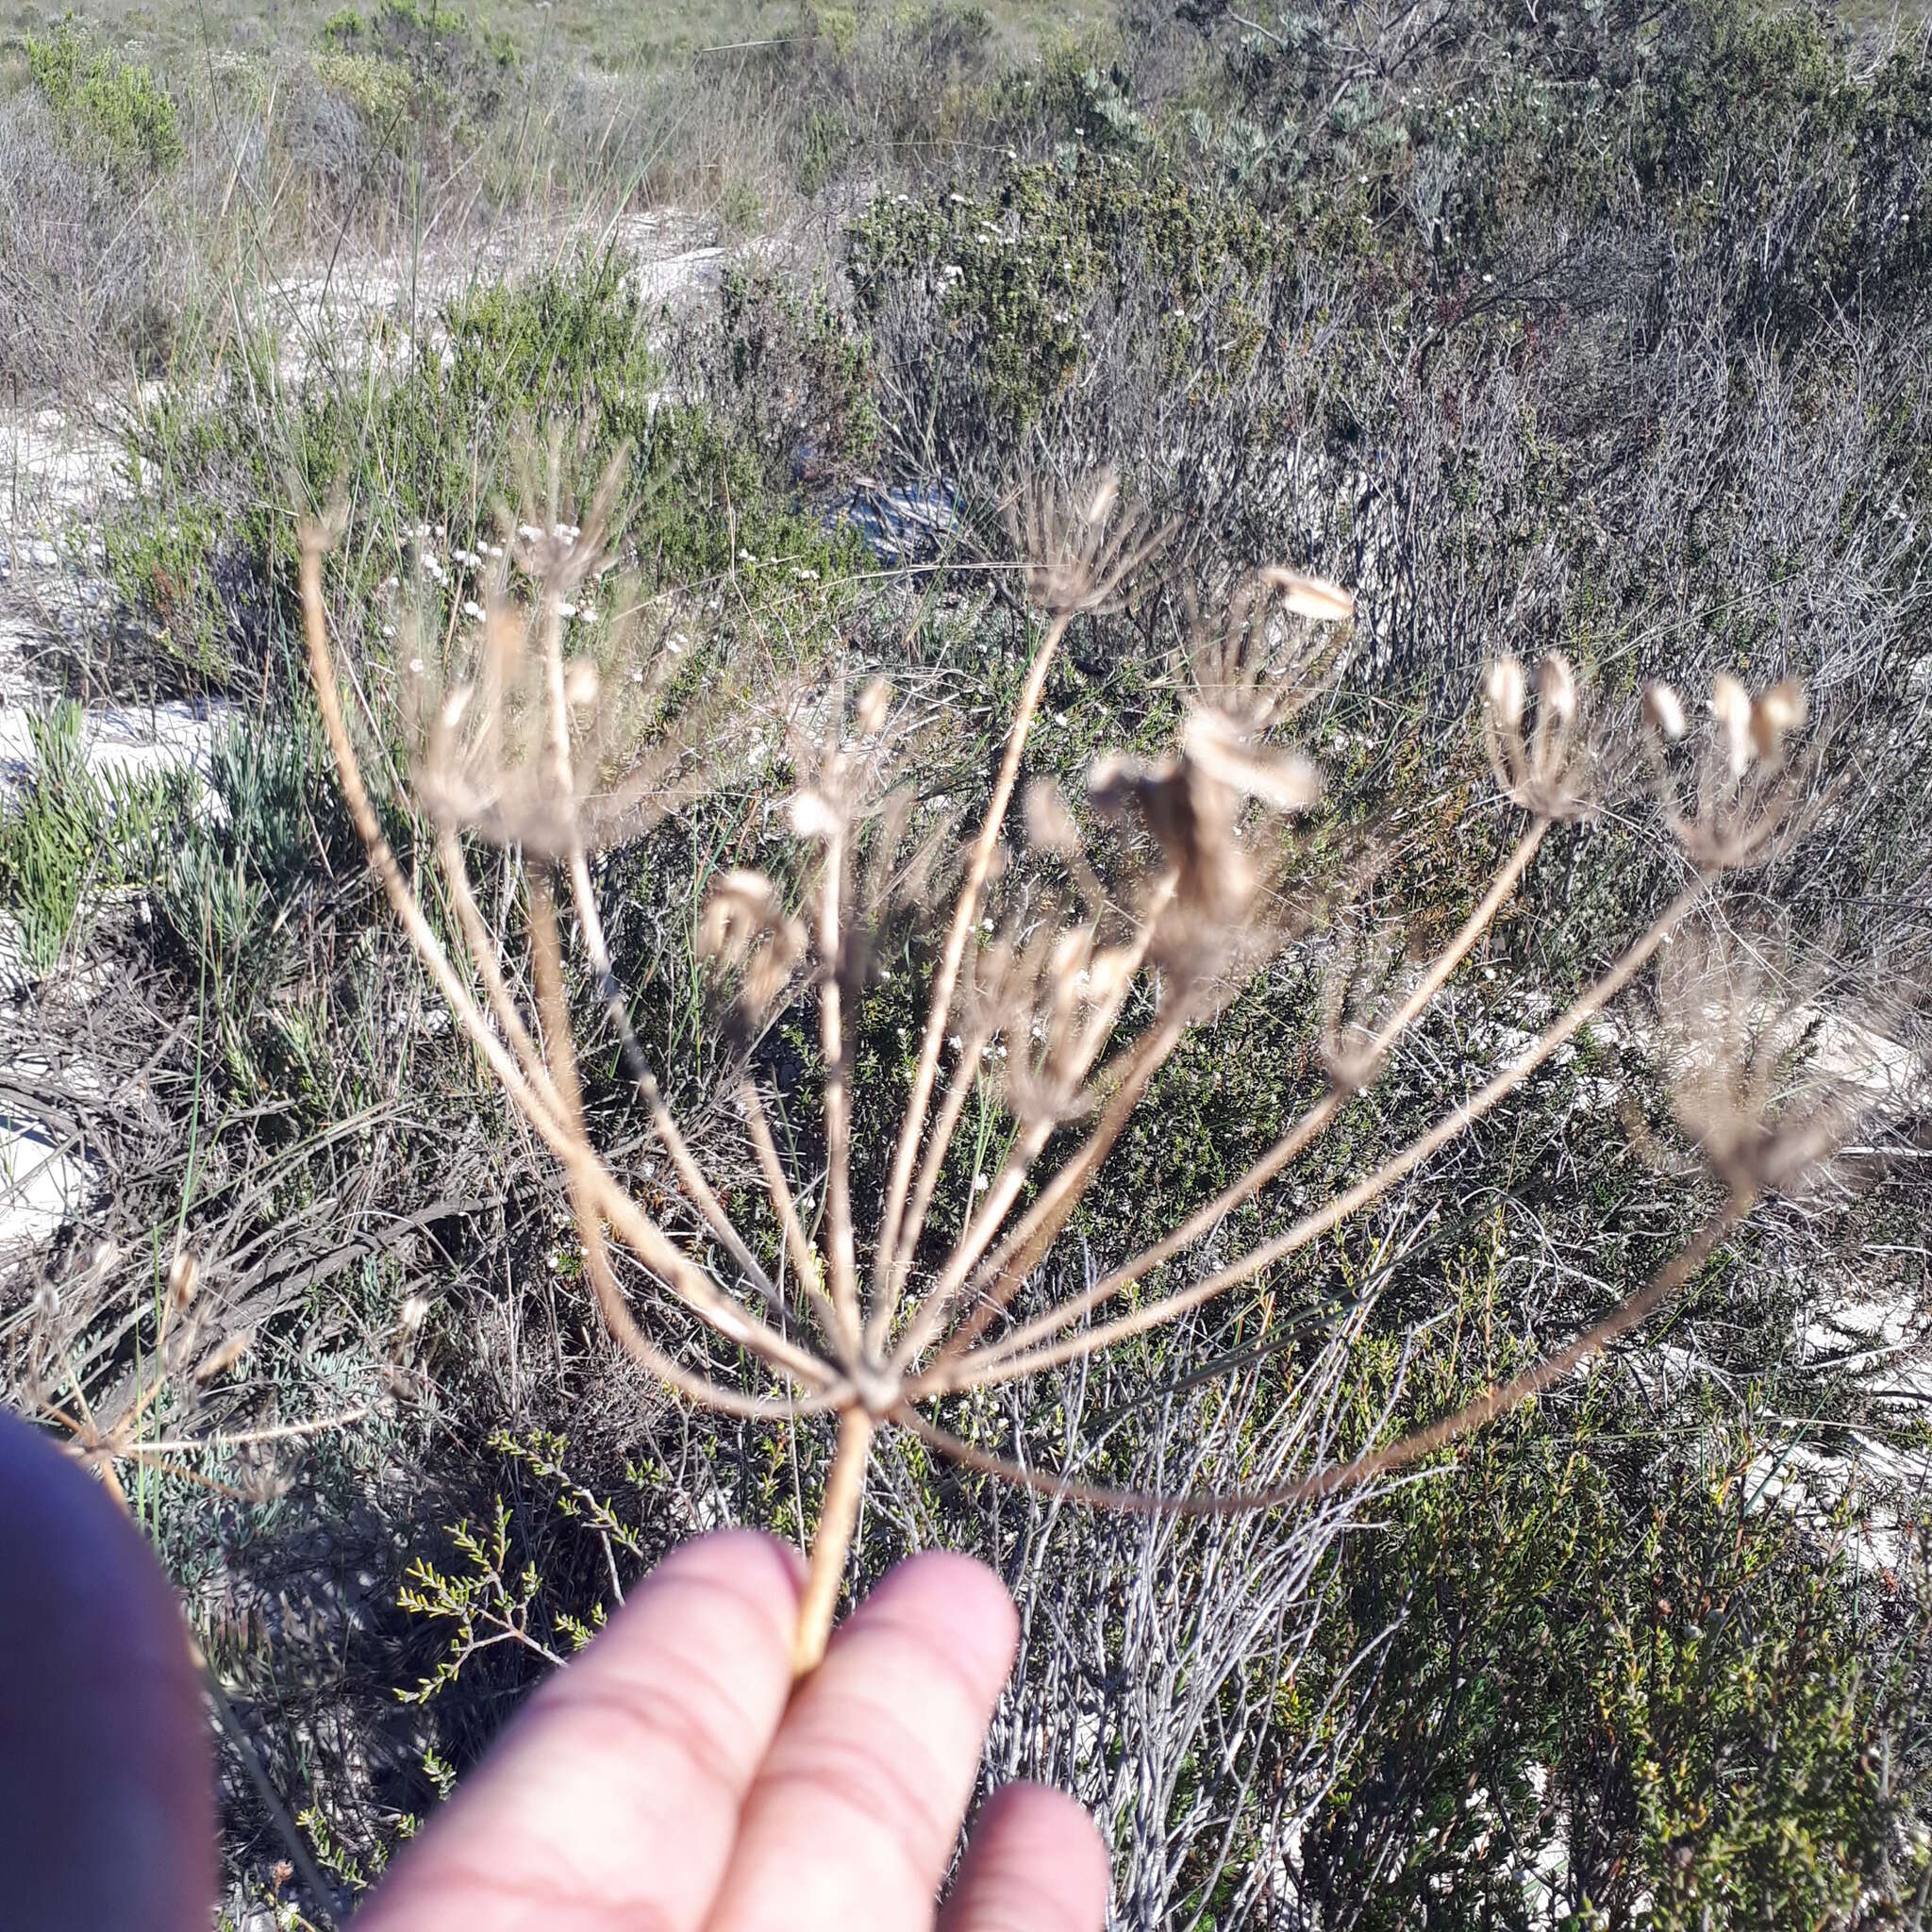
x=671 y=1780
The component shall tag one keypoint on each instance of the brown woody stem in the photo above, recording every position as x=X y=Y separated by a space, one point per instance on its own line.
x=831 y=1542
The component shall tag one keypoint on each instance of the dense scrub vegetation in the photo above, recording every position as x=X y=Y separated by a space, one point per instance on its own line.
x=1597 y=327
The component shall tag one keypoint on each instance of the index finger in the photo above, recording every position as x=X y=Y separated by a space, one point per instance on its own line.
x=854 y=1813
x=614 y=1799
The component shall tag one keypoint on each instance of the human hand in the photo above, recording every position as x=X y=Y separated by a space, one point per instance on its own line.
x=670 y=1780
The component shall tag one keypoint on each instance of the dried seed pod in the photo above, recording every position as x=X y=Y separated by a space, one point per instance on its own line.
x=1556 y=689
x=1547 y=769
x=1310 y=596
x=1776 y=715
x=1730 y=704
x=1506 y=691
x=1663 y=712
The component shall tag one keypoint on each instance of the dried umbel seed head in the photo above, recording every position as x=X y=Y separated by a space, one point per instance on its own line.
x=1744 y=790
x=746 y=926
x=1042 y=1010
x=1545 y=770
x=1192 y=802
x=1082 y=550
x=503 y=757
x=1735 y=1018
x=1273 y=649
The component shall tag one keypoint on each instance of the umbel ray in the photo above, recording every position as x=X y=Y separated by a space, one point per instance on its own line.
x=1071 y=1003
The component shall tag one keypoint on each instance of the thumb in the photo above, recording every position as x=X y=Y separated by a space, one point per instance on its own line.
x=106 y=1802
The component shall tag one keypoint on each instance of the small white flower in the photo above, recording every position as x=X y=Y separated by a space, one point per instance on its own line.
x=473 y=609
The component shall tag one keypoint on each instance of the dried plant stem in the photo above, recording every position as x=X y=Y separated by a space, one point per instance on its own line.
x=1406 y=1451
x=978 y=865
x=966 y=1074
x=797 y=1243
x=585 y=901
x=238 y=1438
x=663 y=1124
x=635 y=1227
x=483 y=955
x=1125 y=1081
x=998 y=1290
x=831 y=1543
x=1057 y=1199
x=838 y=1101
x=1030 y=1348
x=546 y=959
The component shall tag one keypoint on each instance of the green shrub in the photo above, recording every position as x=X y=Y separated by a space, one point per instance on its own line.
x=1617 y=1669
x=425 y=457
x=71 y=833
x=229 y=898
x=405 y=64
x=107 y=108
x=1009 y=276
